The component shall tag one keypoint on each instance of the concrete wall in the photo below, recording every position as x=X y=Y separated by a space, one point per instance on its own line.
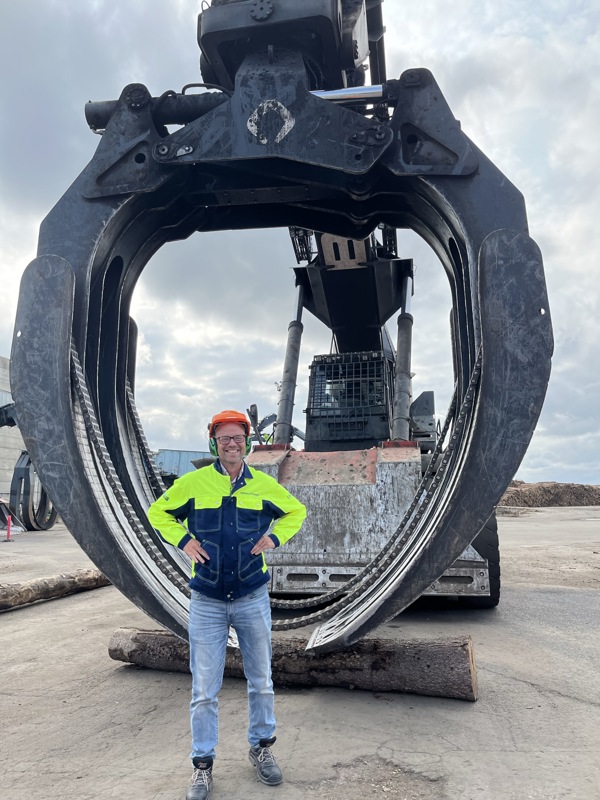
x=11 y=443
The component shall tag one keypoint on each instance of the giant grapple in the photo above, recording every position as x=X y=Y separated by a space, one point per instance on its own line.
x=289 y=137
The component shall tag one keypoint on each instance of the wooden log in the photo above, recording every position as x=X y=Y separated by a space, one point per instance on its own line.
x=13 y=595
x=434 y=667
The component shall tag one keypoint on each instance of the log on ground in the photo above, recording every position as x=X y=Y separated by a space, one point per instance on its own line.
x=13 y=595
x=434 y=667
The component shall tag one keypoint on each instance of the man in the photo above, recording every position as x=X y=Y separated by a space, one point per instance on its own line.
x=232 y=514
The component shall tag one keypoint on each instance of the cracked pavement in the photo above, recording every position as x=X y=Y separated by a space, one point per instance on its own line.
x=76 y=725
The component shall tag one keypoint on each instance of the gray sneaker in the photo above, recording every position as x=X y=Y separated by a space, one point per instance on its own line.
x=267 y=769
x=200 y=787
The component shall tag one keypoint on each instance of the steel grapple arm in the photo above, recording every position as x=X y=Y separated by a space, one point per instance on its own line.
x=271 y=151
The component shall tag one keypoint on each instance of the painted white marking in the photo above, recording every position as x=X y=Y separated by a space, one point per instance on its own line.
x=287 y=121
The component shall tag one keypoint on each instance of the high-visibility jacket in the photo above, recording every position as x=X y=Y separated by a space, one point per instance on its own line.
x=227 y=520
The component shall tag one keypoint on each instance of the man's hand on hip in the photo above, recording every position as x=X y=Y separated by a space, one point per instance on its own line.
x=195 y=551
x=264 y=543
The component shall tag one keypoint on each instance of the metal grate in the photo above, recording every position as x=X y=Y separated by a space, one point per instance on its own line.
x=302 y=240
x=348 y=392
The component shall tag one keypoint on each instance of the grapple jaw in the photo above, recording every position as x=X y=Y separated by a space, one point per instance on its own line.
x=272 y=154
x=500 y=408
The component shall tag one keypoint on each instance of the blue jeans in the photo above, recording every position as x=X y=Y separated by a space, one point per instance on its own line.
x=209 y=627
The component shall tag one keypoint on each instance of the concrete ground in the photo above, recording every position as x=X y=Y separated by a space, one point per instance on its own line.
x=76 y=725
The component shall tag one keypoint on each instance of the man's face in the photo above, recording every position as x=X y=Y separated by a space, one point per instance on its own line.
x=232 y=453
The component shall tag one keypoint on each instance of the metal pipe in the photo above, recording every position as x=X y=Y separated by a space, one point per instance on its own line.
x=403 y=376
x=353 y=94
x=285 y=408
x=179 y=109
x=176 y=109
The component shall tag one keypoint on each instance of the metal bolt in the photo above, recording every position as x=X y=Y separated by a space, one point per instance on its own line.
x=411 y=78
x=261 y=10
x=162 y=149
x=137 y=97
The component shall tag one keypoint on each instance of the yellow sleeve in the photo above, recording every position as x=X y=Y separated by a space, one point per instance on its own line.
x=168 y=513
x=294 y=513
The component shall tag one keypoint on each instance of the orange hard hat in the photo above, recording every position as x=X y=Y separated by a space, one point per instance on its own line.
x=229 y=416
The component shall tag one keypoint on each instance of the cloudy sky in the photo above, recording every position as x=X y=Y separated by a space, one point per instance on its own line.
x=523 y=76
